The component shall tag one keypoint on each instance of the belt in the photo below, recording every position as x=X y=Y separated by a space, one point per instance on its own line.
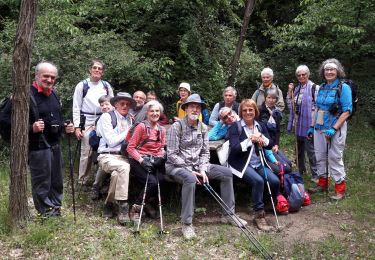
x=118 y=153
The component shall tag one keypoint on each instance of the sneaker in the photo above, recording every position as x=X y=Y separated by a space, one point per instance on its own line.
x=260 y=221
x=235 y=221
x=134 y=213
x=108 y=210
x=123 y=213
x=188 y=231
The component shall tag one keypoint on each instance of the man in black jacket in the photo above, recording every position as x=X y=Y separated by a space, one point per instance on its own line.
x=45 y=157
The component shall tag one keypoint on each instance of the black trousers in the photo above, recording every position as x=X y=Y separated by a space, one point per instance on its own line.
x=46 y=168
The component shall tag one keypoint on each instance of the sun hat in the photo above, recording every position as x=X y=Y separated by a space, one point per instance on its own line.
x=184 y=85
x=123 y=95
x=194 y=98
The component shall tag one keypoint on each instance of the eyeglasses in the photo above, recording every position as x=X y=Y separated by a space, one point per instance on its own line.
x=227 y=115
x=301 y=75
x=97 y=68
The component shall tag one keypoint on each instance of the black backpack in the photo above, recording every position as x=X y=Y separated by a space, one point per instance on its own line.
x=94 y=139
x=353 y=86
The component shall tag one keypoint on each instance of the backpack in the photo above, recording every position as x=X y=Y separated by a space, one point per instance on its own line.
x=94 y=139
x=294 y=191
x=354 y=88
x=124 y=146
x=6 y=114
x=86 y=87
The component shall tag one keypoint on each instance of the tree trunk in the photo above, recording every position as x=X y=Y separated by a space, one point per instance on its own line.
x=236 y=57
x=20 y=112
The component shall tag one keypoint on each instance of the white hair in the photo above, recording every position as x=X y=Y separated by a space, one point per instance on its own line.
x=303 y=68
x=42 y=64
x=152 y=103
x=232 y=89
x=268 y=71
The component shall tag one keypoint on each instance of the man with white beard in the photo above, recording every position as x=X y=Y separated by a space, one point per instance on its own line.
x=188 y=163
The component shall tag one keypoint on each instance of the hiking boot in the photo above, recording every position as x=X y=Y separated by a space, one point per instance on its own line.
x=320 y=187
x=188 y=231
x=235 y=221
x=339 y=191
x=134 y=213
x=123 y=212
x=260 y=221
x=95 y=193
x=108 y=210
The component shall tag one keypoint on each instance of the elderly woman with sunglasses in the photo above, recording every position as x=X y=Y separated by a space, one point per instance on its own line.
x=227 y=117
x=329 y=127
x=147 y=154
x=300 y=101
x=244 y=160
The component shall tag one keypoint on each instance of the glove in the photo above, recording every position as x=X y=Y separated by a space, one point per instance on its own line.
x=310 y=131
x=159 y=161
x=330 y=132
x=277 y=113
x=147 y=164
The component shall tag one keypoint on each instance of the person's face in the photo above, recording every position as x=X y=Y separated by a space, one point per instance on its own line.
x=193 y=110
x=330 y=74
x=302 y=77
x=139 y=98
x=153 y=114
x=271 y=101
x=184 y=93
x=150 y=97
x=266 y=80
x=105 y=106
x=96 y=72
x=229 y=118
x=229 y=97
x=122 y=106
x=248 y=113
x=46 y=76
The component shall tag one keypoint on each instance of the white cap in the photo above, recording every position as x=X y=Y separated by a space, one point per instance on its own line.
x=184 y=85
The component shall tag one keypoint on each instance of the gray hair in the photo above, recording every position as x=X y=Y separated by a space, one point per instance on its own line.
x=232 y=89
x=152 y=103
x=225 y=110
x=41 y=64
x=340 y=68
x=272 y=92
x=268 y=71
x=303 y=68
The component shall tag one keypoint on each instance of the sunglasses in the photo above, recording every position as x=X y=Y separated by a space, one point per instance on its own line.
x=301 y=75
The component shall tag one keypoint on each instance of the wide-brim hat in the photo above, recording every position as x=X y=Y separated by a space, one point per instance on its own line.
x=195 y=98
x=123 y=95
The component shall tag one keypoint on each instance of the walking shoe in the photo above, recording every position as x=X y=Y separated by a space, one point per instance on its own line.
x=123 y=212
x=108 y=210
x=188 y=231
x=340 y=189
x=260 y=221
x=235 y=221
x=95 y=193
x=321 y=186
x=134 y=213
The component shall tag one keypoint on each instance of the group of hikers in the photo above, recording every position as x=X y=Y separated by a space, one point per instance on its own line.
x=134 y=142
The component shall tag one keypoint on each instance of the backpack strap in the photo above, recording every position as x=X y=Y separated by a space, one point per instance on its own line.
x=86 y=87
x=113 y=119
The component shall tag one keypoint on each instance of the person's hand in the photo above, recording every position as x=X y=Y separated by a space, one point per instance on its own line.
x=147 y=164
x=276 y=113
x=310 y=132
x=275 y=148
x=276 y=163
x=69 y=127
x=38 y=126
x=175 y=119
x=201 y=175
x=78 y=133
x=257 y=138
x=330 y=132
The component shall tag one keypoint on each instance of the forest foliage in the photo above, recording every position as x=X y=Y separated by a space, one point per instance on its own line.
x=155 y=44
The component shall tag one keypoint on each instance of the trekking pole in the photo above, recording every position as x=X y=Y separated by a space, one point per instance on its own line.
x=250 y=236
x=262 y=160
x=162 y=231
x=143 y=204
x=71 y=172
x=328 y=140
x=295 y=127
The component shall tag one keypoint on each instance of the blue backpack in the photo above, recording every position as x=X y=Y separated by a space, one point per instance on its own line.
x=294 y=190
x=86 y=87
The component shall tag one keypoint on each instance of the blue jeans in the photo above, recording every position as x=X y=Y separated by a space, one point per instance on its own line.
x=256 y=179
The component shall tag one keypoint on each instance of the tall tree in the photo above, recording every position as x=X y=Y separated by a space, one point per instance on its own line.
x=20 y=112
x=250 y=4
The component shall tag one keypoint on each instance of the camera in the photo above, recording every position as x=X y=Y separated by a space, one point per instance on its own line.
x=82 y=122
x=334 y=109
x=55 y=128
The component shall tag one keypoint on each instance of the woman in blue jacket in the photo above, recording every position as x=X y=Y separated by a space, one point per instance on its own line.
x=329 y=127
x=244 y=159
